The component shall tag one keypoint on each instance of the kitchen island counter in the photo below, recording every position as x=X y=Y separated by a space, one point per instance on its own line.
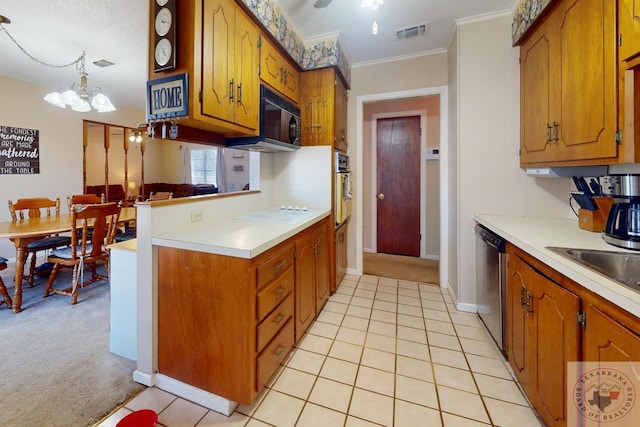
x=533 y=235
x=242 y=236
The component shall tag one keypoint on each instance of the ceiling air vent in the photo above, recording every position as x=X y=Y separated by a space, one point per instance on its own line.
x=412 y=31
x=103 y=63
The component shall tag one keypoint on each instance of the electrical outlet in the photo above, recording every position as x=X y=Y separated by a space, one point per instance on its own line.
x=196 y=216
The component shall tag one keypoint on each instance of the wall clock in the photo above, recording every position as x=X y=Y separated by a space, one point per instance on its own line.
x=164 y=37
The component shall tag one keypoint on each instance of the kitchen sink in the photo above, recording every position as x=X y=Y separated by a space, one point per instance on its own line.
x=623 y=267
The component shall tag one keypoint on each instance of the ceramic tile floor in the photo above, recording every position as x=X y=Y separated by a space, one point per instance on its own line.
x=383 y=352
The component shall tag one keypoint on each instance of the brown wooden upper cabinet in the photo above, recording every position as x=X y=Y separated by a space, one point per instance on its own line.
x=230 y=85
x=629 y=78
x=323 y=108
x=568 y=86
x=217 y=46
x=629 y=29
x=278 y=71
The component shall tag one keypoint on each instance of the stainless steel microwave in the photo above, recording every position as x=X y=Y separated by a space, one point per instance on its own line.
x=279 y=125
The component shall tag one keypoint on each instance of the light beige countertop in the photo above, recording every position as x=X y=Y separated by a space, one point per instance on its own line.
x=243 y=236
x=130 y=245
x=533 y=234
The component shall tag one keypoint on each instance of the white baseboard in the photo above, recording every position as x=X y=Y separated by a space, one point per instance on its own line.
x=196 y=395
x=144 y=378
x=352 y=271
x=471 y=308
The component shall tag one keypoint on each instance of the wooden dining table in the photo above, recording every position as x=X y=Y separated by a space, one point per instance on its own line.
x=24 y=231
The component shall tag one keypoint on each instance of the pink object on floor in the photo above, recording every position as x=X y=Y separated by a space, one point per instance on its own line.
x=141 y=418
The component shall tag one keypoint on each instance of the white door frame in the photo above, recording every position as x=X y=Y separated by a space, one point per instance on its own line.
x=441 y=91
x=423 y=176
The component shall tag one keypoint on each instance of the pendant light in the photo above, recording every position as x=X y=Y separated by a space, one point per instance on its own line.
x=78 y=97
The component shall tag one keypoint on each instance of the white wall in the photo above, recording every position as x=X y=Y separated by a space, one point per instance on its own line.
x=488 y=174
x=452 y=168
x=60 y=145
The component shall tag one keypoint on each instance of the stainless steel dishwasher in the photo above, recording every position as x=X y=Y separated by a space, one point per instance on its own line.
x=491 y=265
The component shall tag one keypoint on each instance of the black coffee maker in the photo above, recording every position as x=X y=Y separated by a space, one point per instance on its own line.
x=623 y=223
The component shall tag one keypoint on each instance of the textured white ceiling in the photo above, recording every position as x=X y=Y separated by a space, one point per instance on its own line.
x=57 y=31
x=354 y=23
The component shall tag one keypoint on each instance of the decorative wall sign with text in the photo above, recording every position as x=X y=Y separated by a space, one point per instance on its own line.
x=19 y=151
x=168 y=97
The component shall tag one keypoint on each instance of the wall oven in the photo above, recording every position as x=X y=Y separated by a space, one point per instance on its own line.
x=342 y=179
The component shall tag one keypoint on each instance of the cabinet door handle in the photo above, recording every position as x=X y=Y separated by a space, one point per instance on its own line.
x=279 y=319
x=240 y=94
x=231 y=91
x=548 y=133
x=280 y=349
x=280 y=290
x=279 y=265
x=529 y=310
x=556 y=126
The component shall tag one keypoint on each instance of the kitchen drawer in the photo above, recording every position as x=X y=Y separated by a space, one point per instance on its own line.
x=274 y=354
x=274 y=266
x=272 y=324
x=272 y=294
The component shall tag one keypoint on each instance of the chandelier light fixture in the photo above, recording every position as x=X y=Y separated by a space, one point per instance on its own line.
x=135 y=136
x=78 y=97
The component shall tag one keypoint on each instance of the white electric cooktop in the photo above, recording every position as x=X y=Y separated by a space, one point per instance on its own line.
x=289 y=215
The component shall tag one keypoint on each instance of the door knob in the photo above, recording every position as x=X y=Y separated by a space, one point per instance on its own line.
x=380 y=196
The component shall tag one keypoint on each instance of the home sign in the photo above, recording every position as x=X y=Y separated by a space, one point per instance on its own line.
x=168 y=97
x=19 y=151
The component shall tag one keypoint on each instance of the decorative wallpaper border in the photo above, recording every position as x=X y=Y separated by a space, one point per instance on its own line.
x=321 y=54
x=527 y=13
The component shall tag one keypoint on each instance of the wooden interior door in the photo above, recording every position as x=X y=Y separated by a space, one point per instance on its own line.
x=398 y=185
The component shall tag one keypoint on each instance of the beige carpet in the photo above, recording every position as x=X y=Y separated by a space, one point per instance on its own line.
x=402 y=267
x=56 y=366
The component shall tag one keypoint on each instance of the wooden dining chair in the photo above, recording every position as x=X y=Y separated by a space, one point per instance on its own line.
x=3 y=289
x=35 y=208
x=88 y=247
x=83 y=199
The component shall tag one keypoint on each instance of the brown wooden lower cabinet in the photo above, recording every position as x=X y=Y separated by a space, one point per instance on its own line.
x=218 y=330
x=545 y=330
x=543 y=337
x=313 y=272
x=225 y=324
x=607 y=340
